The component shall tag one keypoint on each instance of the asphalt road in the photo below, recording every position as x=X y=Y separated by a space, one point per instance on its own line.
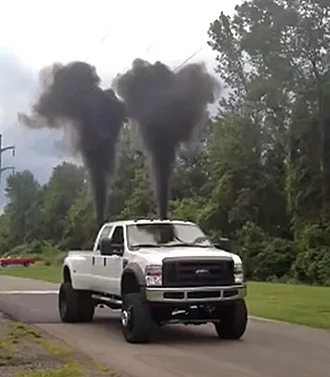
x=268 y=349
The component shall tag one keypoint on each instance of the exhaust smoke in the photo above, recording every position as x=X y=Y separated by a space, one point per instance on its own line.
x=72 y=99
x=168 y=106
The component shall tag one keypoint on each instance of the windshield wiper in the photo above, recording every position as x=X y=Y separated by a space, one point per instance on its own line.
x=184 y=244
x=138 y=245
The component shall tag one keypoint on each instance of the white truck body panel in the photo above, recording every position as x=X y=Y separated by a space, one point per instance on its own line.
x=102 y=273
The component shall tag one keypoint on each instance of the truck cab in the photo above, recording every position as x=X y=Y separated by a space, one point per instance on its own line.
x=155 y=272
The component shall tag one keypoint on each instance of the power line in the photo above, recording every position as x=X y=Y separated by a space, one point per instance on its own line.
x=146 y=50
x=105 y=37
x=188 y=59
x=149 y=48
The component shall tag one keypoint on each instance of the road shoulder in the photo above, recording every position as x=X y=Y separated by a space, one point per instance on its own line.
x=27 y=351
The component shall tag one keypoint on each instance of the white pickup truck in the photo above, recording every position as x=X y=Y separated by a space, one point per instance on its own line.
x=156 y=272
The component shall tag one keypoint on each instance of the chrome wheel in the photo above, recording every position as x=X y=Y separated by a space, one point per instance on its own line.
x=125 y=317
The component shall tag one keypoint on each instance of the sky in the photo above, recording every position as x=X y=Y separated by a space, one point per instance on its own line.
x=105 y=33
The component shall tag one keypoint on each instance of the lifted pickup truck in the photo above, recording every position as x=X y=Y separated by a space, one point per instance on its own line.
x=156 y=272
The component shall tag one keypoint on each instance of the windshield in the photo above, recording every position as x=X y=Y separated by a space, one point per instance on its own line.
x=167 y=235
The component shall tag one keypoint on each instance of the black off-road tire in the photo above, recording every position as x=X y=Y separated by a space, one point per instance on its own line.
x=138 y=326
x=75 y=305
x=86 y=308
x=233 y=320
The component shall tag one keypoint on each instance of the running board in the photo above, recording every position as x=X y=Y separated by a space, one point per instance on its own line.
x=107 y=299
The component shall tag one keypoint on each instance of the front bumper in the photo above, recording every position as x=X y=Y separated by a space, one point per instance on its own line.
x=196 y=294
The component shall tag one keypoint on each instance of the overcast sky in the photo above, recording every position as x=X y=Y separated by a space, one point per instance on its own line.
x=108 y=34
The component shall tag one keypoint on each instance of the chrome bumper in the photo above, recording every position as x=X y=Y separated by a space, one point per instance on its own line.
x=196 y=294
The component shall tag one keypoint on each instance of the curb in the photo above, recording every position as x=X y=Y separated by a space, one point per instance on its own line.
x=262 y=319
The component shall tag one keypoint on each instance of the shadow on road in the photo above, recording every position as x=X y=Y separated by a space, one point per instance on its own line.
x=176 y=334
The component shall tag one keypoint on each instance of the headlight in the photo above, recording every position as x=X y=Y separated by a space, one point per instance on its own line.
x=153 y=275
x=238 y=273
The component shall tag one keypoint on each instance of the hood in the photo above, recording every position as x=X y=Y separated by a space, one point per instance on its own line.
x=156 y=255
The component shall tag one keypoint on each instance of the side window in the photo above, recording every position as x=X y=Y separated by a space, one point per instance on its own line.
x=118 y=236
x=105 y=234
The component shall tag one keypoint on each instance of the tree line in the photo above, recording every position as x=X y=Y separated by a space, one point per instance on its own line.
x=259 y=174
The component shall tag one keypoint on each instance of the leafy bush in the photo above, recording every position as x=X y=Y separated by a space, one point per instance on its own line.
x=275 y=259
x=52 y=255
x=187 y=209
x=41 y=251
x=264 y=257
x=34 y=248
x=312 y=264
x=313 y=235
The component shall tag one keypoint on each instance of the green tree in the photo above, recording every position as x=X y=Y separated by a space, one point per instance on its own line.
x=80 y=226
x=23 y=212
x=273 y=55
x=65 y=185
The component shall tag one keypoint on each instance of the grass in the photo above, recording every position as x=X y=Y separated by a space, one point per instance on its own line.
x=18 y=332
x=69 y=369
x=24 y=352
x=9 y=344
x=51 y=274
x=300 y=304
x=7 y=349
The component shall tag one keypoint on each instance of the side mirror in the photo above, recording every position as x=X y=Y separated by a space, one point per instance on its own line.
x=106 y=247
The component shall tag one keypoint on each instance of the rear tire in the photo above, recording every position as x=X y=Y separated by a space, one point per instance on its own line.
x=75 y=305
x=233 y=320
x=136 y=319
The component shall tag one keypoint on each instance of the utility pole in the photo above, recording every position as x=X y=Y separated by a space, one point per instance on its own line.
x=3 y=149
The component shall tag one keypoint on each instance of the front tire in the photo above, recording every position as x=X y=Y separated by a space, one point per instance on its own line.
x=75 y=305
x=233 y=320
x=136 y=319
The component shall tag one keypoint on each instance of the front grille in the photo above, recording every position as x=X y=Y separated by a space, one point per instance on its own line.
x=195 y=273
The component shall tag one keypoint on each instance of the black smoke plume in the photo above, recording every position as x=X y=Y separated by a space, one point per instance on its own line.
x=168 y=106
x=72 y=99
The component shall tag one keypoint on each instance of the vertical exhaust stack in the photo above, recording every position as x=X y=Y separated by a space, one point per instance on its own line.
x=168 y=106
x=72 y=99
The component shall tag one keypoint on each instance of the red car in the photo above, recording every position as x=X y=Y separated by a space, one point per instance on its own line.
x=18 y=261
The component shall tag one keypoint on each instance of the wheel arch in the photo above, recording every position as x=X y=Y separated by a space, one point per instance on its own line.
x=66 y=274
x=132 y=279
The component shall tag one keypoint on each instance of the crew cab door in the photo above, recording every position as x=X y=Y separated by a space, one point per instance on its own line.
x=113 y=264
x=97 y=259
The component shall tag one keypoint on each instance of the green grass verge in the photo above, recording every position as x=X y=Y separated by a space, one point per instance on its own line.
x=51 y=274
x=300 y=304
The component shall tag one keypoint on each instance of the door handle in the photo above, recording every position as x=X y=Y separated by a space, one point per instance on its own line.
x=93 y=261
x=104 y=262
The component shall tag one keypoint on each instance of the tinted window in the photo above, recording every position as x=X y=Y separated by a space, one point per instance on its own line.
x=118 y=236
